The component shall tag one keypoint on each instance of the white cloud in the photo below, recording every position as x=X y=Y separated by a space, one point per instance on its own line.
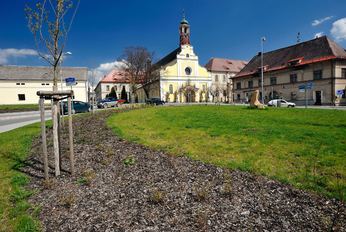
x=6 y=54
x=95 y=75
x=339 y=29
x=318 y=34
x=317 y=22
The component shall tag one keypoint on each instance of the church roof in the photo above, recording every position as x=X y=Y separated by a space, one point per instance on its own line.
x=312 y=51
x=167 y=59
x=225 y=65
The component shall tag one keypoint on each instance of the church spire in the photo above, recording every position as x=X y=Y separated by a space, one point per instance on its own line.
x=184 y=31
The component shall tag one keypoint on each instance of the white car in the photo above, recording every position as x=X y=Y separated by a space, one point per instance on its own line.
x=281 y=103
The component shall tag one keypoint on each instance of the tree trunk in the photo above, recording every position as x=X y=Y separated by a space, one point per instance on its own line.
x=55 y=126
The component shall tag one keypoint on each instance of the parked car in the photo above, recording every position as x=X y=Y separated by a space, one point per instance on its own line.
x=107 y=102
x=77 y=107
x=120 y=102
x=154 y=101
x=281 y=103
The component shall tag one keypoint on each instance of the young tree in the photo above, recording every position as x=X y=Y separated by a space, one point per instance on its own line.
x=50 y=22
x=137 y=67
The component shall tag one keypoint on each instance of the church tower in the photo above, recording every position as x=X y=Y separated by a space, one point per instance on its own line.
x=184 y=32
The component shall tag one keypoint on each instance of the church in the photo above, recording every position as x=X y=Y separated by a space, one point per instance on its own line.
x=180 y=77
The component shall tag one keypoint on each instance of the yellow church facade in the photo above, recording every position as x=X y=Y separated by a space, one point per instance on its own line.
x=180 y=77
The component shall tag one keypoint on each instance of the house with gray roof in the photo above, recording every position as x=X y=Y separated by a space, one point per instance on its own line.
x=19 y=84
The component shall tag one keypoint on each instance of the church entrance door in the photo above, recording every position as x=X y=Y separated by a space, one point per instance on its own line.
x=190 y=96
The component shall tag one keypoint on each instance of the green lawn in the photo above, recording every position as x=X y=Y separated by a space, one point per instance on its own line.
x=16 y=108
x=303 y=147
x=15 y=212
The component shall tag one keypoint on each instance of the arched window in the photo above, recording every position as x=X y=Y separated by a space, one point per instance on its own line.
x=187 y=55
x=188 y=71
x=170 y=89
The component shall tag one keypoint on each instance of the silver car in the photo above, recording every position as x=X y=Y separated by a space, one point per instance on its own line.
x=281 y=103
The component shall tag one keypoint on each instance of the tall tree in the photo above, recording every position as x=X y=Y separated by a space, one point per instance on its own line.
x=137 y=67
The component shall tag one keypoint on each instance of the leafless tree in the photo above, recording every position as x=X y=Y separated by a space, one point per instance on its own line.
x=138 y=68
x=50 y=22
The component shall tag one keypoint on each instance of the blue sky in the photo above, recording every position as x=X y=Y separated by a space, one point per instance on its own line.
x=219 y=28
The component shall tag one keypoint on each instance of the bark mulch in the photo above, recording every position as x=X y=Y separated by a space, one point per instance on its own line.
x=123 y=186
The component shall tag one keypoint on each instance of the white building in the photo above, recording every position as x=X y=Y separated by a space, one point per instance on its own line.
x=19 y=84
x=115 y=79
x=222 y=71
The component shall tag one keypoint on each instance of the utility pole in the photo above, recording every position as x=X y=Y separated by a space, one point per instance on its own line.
x=263 y=39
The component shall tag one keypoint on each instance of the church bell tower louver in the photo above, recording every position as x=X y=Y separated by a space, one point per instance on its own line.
x=184 y=32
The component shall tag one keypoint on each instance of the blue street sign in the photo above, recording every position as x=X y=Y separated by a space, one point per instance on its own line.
x=340 y=92
x=309 y=85
x=70 y=81
x=301 y=88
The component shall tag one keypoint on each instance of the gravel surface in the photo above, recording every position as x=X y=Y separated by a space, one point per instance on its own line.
x=122 y=186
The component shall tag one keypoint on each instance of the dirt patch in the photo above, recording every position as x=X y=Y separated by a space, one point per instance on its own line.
x=122 y=186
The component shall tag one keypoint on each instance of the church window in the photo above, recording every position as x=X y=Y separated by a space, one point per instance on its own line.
x=188 y=71
x=187 y=55
x=170 y=89
x=216 y=78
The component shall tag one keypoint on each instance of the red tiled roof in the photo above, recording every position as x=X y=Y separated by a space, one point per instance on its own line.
x=312 y=51
x=225 y=65
x=115 y=76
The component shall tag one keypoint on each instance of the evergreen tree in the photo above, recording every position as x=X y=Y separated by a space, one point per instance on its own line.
x=113 y=94
x=124 y=94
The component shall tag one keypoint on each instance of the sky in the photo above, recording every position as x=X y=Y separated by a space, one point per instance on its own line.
x=219 y=28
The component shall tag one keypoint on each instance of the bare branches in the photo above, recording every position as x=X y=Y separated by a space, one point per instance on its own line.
x=47 y=20
x=137 y=66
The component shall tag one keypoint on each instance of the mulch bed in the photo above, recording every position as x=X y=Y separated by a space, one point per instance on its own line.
x=122 y=186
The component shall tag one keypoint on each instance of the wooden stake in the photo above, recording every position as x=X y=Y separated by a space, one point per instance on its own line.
x=55 y=137
x=70 y=129
x=44 y=139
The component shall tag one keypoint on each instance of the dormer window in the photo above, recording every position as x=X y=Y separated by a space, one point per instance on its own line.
x=294 y=62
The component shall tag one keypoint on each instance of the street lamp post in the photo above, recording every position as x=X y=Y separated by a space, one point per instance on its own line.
x=61 y=86
x=263 y=39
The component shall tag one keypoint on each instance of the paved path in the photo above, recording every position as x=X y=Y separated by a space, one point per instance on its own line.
x=10 y=121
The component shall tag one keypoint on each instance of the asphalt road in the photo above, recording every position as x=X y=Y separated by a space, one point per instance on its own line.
x=10 y=121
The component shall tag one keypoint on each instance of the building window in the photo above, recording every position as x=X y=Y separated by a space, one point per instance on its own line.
x=343 y=72
x=318 y=74
x=216 y=78
x=21 y=97
x=250 y=84
x=107 y=88
x=43 y=83
x=170 y=89
x=224 y=78
x=259 y=82
x=22 y=83
x=293 y=78
x=17 y=83
x=47 y=83
x=187 y=55
x=188 y=71
x=238 y=85
x=238 y=96
x=273 y=80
